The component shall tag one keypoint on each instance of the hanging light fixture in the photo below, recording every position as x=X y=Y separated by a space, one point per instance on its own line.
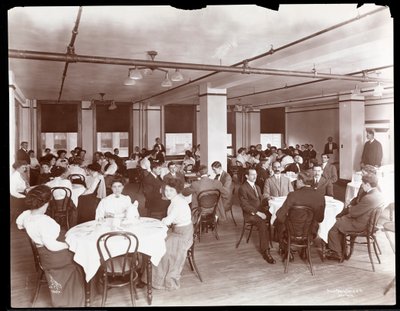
x=167 y=82
x=176 y=76
x=129 y=81
x=378 y=90
x=135 y=74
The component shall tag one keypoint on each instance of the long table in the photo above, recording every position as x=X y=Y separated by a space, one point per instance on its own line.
x=82 y=240
x=332 y=208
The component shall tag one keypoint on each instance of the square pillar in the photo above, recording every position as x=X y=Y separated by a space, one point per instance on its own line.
x=213 y=126
x=253 y=127
x=351 y=131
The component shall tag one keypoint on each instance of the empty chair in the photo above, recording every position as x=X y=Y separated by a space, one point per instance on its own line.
x=119 y=262
x=190 y=253
x=350 y=238
x=62 y=210
x=298 y=232
x=208 y=202
x=77 y=179
x=39 y=270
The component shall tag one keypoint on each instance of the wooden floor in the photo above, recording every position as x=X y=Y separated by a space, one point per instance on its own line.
x=238 y=276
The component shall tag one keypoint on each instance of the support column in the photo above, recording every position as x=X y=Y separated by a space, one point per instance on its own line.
x=87 y=129
x=152 y=125
x=253 y=127
x=213 y=126
x=351 y=133
x=11 y=121
x=240 y=128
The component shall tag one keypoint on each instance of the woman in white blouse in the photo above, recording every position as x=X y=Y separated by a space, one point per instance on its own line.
x=18 y=188
x=117 y=205
x=64 y=276
x=180 y=238
x=188 y=160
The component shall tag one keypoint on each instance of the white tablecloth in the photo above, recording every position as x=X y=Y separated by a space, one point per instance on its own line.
x=82 y=240
x=332 y=208
x=131 y=164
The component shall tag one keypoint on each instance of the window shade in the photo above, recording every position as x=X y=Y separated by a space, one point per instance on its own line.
x=56 y=118
x=180 y=118
x=272 y=120
x=113 y=120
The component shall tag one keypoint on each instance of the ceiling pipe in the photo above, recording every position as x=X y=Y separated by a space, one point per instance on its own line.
x=70 y=50
x=74 y=58
x=304 y=83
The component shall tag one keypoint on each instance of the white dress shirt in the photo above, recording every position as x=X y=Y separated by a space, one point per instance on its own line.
x=17 y=185
x=118 y=207
x=111 y=169
x=178 y=213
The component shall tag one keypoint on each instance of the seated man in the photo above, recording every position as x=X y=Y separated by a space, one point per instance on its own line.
x=255 y=212
x=277 y=185
x=173 y=173
x=295 y=167
x=206 y=183
x=329 y=170
x=357 y=217
x=226 y=181
x=320 y=183
x=156 y=203
x=305 y=195
x=263 y=173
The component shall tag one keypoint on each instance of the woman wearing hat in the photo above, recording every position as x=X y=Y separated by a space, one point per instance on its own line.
x=62 y=160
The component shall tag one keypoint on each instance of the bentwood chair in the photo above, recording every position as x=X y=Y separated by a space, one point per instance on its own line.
x=39 y=270
x=196 y=216
x=61 y=209
x=118 y=270
x=208 y=202
x=350 y=238
x=298 y=232
x=77 y=179
x=388 y=228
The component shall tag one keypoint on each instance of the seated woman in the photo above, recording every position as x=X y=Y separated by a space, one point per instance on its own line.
x=45 y=174
x=62 y=160
x=18 y=188
x=117 y=205
x=180 y=238
x=64 y=277
x=34 y=170
x=96 y=190
x=188 y=160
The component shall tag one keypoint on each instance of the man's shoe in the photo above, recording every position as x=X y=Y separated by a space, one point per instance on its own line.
x=268 y=258
x=332 y=255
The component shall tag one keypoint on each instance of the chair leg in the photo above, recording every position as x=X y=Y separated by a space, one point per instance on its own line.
x=216 y=229
x=233 y=218
x=241 y=235
x=309 y=257
x=248 y=237
x=389 y=286
x=377 y=244
x=193 y=264
x=132 y=288
x=105 y=288
x=287 y=255
x=369 y=253
x=37 y=290
x=376 y=247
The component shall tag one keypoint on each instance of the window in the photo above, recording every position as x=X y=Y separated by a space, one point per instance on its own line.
x=108 y=141
x=273 y=139
x=178 y=143
x=57 y=141
x=229 y=144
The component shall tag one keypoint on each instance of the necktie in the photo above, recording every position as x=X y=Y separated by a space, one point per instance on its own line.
x=217 y=176
x=255 y=190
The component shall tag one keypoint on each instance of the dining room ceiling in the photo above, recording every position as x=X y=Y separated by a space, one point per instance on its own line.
x=326 y=43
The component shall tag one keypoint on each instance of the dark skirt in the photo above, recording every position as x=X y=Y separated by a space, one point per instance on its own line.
x=64 y=278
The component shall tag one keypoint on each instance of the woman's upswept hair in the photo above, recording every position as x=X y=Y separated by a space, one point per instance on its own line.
x=38 y=196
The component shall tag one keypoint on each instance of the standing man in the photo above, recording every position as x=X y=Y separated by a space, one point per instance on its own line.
x=226 y=181
x=254 y=212
x=161 y=147
x=329 y=170
x=320 y=183
x=22 y=153
x=372 y=152
x=330 y=146
x=277 y=185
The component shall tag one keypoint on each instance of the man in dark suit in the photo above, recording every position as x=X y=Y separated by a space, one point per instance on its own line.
x=226 y=181
x=161 y=147
x=372 y=152
x=263 y=173
x=305 y=195
x=296 y=166
x=357 y=217
x=329 y=170
x=206 y=183
x=173 y=173
x=330 y=146
x=22 y=153
x=156 y=203
x=320 y=183
x=157 y=154
x=255 y=212
x=311 y=152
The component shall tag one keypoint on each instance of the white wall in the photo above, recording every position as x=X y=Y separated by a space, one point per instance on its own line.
x=312 y=125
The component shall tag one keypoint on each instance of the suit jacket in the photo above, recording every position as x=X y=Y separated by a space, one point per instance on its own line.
x=330 y=173
x=206 y=183
x=161 y=146
x=358 y=215
x=23 y=156
x=324 y=186
x=326 y=148
x=151 y=189
x=292 y=167
x=306 y=196
x=372 y=153
x=274 y=189
x=262 y=176
x=178 y=175
x=312 y=154
x=226 y=181
x=249 y=202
